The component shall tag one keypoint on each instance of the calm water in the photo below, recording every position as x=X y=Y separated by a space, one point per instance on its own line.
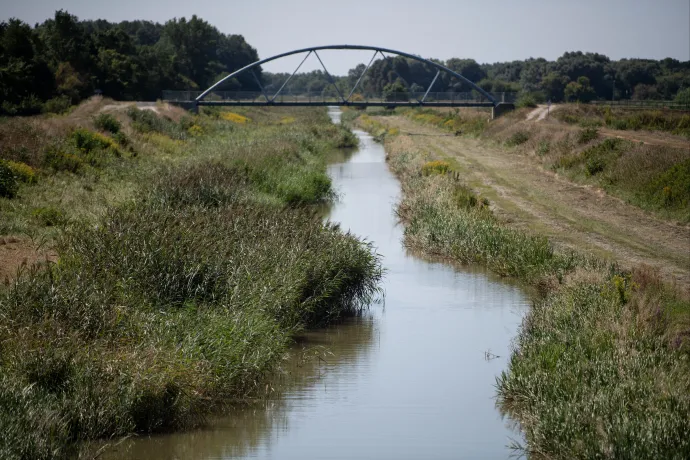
x=409 y=380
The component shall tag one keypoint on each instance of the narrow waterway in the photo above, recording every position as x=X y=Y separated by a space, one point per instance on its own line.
x=411 y=379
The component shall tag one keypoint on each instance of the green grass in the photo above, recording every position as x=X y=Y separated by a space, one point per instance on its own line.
x=651 y=177
x=589 y=379
x=182 y=294
x=674 y=122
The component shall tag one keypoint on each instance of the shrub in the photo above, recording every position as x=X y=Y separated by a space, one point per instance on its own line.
x=586 y=135
x=59 y=105
x=59 y=160
x=435 y=167
x=147 y=121
x=526 y=100
x=517 y=138
x=49 y=216
x=683 y=97
x=121 y=139
x=22 y=172
x=346 y=138
x=672 y=188
x=28 y=106
x=195 y=130
x=8 y=181
x=235 y=118
x=594 y=165
x=543 y=148
x=93 y=147
x=107 y=122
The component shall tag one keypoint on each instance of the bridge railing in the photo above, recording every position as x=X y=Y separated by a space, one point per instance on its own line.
x=258 y=97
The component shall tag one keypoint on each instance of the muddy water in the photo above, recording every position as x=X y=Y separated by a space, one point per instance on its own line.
x=411 y=379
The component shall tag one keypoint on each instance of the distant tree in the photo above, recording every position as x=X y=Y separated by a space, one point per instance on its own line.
x=553 y=86
x=468 y=68
x=395 y=91
x=23 y=72
x=683 y=96
x=646 y=92
x=579 y=90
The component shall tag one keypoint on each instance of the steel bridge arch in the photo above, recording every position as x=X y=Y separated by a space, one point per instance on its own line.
x=249 y=68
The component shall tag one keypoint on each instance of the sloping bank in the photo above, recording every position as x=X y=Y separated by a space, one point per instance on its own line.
x=183 y=298
x=601 y=364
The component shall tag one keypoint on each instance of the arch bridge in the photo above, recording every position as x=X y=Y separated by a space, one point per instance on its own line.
x=214 y=97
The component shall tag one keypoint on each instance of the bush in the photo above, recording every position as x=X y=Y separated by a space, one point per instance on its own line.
x=517 y=138
x=435 y=167
x=526 y=100
x=683 y=97
x=8 y=181
x=672 y=188
x=107 y=122
x=93 y=147
x=594 y=166
x=22 y=172
x=49 y=217
x=147 y=121
x=543 y=148
x=586 y=135
x=28 y=106
x=59 y=105
x=59 y=160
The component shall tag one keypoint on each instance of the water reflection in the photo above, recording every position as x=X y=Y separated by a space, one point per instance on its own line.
x=410 y=380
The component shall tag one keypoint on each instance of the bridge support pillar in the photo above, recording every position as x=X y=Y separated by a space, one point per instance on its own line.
x=501 y=108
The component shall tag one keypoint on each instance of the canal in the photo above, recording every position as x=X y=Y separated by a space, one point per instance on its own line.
x=413 y=378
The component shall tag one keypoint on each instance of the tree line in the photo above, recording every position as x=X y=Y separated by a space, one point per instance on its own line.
x=57 y=63
x=63 y=60
x=575 y=76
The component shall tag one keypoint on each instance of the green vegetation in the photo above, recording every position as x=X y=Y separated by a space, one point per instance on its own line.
x=595 y=375
x=517 y=138
x=469 y=122
x=61 y=61
x=602 y=361
x=180 y=294
x=651 y=177
x=649 y=120
x=648 y=176
x=107 y=122
x=575 y=76
x=55 y=64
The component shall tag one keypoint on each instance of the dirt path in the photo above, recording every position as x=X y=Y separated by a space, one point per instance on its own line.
x=19 y=253
x=541 y=112
x=648 y=137
x=572 y=215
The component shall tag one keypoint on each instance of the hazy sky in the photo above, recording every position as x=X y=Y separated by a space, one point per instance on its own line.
x=485 y=30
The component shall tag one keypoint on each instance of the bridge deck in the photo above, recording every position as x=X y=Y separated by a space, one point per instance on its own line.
x=343 y=103
x=406 y=99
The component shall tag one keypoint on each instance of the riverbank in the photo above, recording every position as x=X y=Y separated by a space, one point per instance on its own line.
x=601 y=363
x=186 y=256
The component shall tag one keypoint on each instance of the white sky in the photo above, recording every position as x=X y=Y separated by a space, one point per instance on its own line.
x=485 y=30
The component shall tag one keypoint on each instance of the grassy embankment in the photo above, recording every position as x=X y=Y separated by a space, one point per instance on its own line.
x=189 y=255
x=652 y=177
x=601 y=367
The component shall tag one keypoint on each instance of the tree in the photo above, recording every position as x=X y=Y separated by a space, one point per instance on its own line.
x=23 y=72
x=579 y=90
x=395 y=92
x=646 y=92
x=553 y=85
x=683 y=96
